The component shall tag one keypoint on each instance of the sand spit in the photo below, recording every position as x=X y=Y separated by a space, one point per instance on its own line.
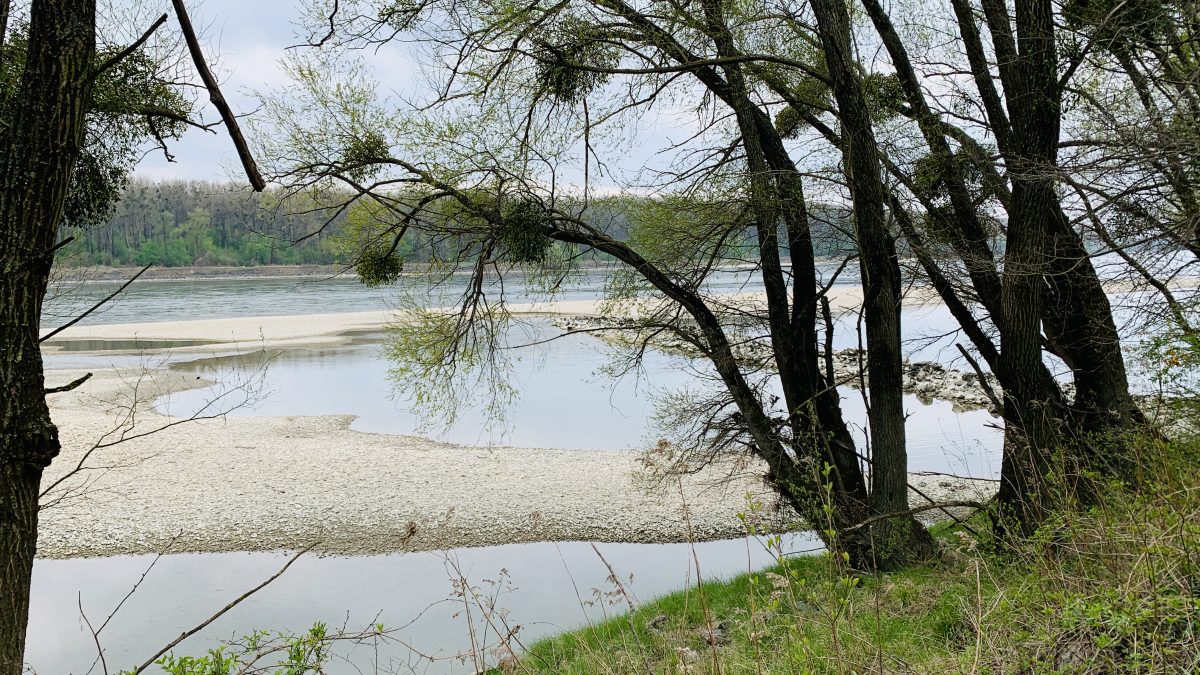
x=266 y=483
x=269 y=483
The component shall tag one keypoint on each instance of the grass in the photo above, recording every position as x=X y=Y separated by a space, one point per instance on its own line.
x=802 y=615
x=1112 y=587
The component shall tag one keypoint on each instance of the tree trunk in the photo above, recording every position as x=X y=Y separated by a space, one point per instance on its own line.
x=898 y=541
x=39 y=151
x=1030 y=412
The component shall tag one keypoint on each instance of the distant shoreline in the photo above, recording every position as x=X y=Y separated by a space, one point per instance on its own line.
x=230 y=273
x=68 y=275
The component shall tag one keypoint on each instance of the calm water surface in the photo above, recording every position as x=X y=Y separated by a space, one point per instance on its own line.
x=546 y=588
x=184 y=300
x=563 y=400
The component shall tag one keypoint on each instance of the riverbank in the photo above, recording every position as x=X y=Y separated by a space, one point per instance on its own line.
x=158 y=273
x=267 y=483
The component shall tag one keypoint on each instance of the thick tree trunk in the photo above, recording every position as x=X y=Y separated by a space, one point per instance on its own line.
x=40 y=146
x=895 y=541
x=1031 y=415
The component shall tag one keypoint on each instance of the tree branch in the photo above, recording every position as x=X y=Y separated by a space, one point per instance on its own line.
x=204 y=624
x=218 y=100
x=914 y=511
x=67 y=387
x=94 y=307
x=124 y=53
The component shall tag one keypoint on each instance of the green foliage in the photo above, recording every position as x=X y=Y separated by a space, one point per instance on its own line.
x=930 y=176
x=441 y=362
x=814 y=95
x=369 y=242
x=266 y=652
x=681 y=232
x=379 y=265
x=567 y=54
x=884 y=94
x=523 y=233
x=178 y=224
x=1171 y=359
x=363 y=155
x=1111 y=588
x=118 y=124
x=788 y=123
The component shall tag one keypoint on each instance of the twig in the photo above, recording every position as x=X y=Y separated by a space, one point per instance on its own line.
x=218 y=99
x=914 y=511
x=94 y=307
x=95 y=634
x=67 y=387
x=132 y=590
x=204 y=624
x=956 y=519
x=983 y=382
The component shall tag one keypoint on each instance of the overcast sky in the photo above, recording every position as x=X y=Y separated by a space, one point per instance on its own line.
x=248 y=37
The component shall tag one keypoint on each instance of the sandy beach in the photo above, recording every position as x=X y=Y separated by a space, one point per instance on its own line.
x=266 y=483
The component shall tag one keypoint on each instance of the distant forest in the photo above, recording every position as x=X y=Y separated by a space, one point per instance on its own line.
x=197 y=224
x=180 y=224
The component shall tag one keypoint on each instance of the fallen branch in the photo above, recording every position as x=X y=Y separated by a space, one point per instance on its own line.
x=218 y=99
x=915 y=511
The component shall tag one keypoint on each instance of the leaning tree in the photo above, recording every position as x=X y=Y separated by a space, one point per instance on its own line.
x=528 y=91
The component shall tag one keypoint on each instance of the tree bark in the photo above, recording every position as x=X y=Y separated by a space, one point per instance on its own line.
x=900 y=541
x=39 y=152
x=1030 y=414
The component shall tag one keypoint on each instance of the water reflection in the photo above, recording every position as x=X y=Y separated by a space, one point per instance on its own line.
x=561 y=401
x=412 y=590
x=116 y=345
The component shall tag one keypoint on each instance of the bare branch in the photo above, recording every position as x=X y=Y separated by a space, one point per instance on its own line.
x=124 y=53
x=218 y=99
x=237 y=601
x=94 y=307
x=75 y=384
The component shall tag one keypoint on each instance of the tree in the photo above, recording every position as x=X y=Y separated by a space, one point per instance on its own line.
x=1045 y=295
x=42 y=141
x=551 y=87
x=50 y=171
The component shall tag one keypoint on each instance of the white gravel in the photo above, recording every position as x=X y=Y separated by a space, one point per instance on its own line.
x=268 y=483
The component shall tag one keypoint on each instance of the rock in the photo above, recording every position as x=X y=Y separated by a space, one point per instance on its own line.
x=716 y=635
x=656 y=624
x=687 y=656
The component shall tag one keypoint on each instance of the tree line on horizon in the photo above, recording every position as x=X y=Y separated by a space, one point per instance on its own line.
x=182 y=223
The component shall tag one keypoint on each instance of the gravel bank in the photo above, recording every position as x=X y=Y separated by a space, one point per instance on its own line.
x=268 y=483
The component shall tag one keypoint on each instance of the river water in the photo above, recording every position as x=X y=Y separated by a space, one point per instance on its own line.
x=555 y=380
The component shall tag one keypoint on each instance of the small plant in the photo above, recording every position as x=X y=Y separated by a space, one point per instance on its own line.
x=266 y=652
